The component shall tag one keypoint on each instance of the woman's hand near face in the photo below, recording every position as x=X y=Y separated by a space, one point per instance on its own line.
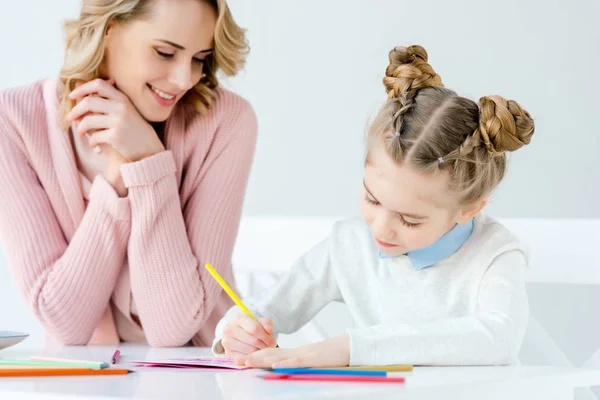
x=114 y=126
x=107 y=115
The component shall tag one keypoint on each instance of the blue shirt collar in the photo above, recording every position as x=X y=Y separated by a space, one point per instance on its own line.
x=443 y=248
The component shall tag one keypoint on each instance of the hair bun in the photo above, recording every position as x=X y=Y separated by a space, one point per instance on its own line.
x=409 y=71
x=503 y=124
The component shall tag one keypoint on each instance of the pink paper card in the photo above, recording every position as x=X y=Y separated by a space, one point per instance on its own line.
x=192 y=362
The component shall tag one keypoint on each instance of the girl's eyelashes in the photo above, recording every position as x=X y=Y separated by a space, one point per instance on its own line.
x=370 y=200
x=402 y=220
x=408 y=224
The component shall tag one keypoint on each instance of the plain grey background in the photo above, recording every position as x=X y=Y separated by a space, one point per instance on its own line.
x=314 y=78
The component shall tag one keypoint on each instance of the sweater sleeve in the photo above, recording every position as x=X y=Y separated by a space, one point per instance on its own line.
x=67 y=285
x=292 y=302
x=170 y=244
x=491 y=336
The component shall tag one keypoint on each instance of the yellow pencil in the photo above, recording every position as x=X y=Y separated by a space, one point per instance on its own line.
x=228 y=290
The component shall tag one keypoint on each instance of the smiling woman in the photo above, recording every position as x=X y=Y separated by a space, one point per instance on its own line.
x=121 y=178
x=150 y=38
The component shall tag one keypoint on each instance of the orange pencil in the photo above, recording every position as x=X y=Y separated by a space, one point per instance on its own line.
x=60 y=372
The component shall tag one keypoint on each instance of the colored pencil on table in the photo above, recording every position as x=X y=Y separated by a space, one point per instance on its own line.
x=332 y=378
x=60 y=372
x=33 y=367
x=115 y=358
x=320 y=371
x=54 y=364
x=69 y=360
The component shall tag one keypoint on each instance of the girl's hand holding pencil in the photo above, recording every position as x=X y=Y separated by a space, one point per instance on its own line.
x=244 y=335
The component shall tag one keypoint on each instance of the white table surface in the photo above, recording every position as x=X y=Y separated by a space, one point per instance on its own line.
x=513 y=382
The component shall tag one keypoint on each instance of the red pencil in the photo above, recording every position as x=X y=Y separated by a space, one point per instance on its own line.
x=333 y=378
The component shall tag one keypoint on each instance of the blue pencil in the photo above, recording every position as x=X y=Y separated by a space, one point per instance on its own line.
x=317 y=371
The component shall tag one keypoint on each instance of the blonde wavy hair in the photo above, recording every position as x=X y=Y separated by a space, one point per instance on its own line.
x=432 y=128
x=85 y=48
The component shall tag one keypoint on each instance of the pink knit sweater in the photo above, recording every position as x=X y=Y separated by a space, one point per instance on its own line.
x=79 y=267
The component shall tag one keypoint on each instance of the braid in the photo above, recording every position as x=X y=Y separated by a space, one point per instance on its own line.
x=407 y=73
x=503 y=124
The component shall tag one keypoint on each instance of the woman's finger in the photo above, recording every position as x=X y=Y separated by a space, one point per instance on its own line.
x=91 y=104
x=99 y=87
x=105 y=136
x=93 y=123
x=102 y=148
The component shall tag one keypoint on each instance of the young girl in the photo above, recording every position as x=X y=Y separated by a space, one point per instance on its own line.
x=427 y=279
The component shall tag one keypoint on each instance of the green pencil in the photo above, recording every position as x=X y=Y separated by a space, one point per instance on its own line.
x=54 y=364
